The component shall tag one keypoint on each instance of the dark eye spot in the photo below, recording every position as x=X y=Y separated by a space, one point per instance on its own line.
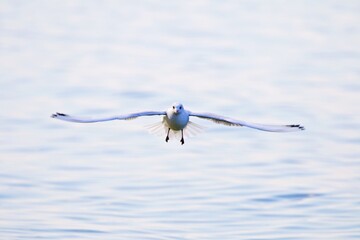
x=173 y=107
x=180 y=107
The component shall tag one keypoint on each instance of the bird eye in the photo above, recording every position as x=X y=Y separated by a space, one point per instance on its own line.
x=180 y=107
x=173 y=107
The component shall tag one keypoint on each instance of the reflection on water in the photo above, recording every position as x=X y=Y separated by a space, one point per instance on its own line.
x=268 y=62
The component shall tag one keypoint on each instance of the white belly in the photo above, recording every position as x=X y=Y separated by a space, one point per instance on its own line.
x=177 y=122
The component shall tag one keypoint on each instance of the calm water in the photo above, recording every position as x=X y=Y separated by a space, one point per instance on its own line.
x=278 y=62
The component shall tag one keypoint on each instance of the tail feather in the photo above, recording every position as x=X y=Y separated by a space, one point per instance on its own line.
x=160 y=129
x=192 y=129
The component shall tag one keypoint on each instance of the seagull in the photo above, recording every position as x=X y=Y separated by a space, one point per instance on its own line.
x=176 y=120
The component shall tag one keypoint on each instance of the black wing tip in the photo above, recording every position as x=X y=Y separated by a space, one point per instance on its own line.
x=55 y=115
x=296 y=126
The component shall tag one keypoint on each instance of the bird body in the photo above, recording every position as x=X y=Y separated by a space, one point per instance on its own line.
x=176 y=119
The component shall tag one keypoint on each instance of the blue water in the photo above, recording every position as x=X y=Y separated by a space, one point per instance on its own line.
x=278 y=62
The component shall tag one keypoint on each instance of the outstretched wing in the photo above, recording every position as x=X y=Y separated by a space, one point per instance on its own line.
x=130 y=116
x=232 y=122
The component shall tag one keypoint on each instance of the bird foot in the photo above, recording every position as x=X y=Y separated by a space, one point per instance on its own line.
x=167 y=139
x=182 y=141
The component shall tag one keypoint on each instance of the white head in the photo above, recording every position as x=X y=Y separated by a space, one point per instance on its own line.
x=177 y=108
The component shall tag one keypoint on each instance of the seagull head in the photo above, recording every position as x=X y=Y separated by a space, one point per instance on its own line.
x=177 y=108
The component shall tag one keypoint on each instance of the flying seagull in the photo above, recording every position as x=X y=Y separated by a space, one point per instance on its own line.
x=176 y=120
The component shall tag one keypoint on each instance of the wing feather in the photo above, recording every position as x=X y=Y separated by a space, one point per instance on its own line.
x=232 y=122
x=69 y=118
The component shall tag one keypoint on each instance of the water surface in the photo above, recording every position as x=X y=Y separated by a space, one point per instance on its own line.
x=292 y=62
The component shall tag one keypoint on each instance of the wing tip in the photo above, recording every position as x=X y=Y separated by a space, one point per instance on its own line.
x=298 y=126
x=56 y=115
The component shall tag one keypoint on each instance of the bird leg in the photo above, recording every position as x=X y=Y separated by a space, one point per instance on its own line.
x=182 y=137
x=167 y=136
